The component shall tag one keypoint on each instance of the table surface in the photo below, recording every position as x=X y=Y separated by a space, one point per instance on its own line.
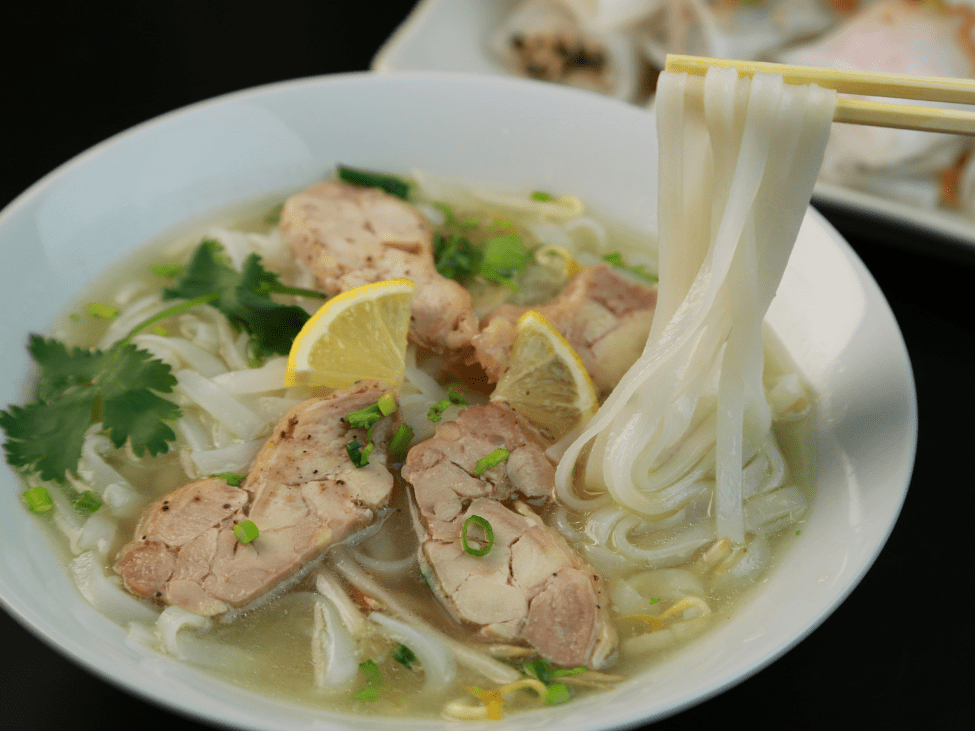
x=891 y=655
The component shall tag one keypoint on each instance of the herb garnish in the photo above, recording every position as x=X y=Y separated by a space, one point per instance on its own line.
x=482 y=547
x=244 y=296
x=496 y=457
x=404 y=656
x=616 y=259
x=374 y=681
x=390 y=183
x=119 y=387
x=454 y=398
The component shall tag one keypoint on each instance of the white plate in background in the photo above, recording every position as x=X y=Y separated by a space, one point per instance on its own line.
x=452 y=35
x=516 y=134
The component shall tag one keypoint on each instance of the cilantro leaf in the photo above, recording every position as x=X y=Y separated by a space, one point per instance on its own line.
x=244 y=296
x=78 y=387
x=456 y=258
x=47 y=437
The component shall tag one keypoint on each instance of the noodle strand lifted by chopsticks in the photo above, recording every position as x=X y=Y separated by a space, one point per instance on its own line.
x=738 y=160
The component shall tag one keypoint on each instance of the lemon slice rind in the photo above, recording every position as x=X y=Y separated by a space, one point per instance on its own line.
x=357 y=335
x=545 y=380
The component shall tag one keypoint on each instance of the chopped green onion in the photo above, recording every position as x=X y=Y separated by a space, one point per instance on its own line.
x=496 y=457
x=390 y=183
x=103 y=312
x=374 y=681
x=654 y=600
x=246 y=531
x=404 y=656
x=387 y=403
x=500 y=224
x=616 y=259
x=455 y=257
x=399 y=445
x=540 y=195
x=455 y=393
x=359 y=454
x=38 y=500
x=87 y=502
x=364 y=418
x=436 y=411
x=231 y=478
x=167 y=271
x=488 y=536
x=470 y=223
x=455 y=397
x=558 y=693
x=505 y=257
x=160 y=331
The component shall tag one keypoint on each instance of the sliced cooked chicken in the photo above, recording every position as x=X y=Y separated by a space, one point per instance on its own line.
x=530 y=587
x=303 y=493
x=604 y=315
x=351 y=235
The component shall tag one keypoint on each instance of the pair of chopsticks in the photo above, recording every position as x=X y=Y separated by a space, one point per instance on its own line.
x=864 y=83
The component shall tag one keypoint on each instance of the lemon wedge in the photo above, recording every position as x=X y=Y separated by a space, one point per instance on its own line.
x=545 y=380
x=356 y=336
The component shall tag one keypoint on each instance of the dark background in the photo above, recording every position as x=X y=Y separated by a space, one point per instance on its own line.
x=893 y=656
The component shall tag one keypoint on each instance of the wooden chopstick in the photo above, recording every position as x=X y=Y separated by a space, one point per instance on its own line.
x=864 y=83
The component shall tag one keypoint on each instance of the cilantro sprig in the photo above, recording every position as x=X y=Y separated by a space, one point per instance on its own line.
x=244 y=296
x=119 y=387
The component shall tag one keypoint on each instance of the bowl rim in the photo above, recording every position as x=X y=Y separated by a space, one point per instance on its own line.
x=21 y=611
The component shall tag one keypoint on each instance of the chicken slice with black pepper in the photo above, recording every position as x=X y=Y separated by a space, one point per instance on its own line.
x=350 y=235
x=530 y=587
x=303 y=493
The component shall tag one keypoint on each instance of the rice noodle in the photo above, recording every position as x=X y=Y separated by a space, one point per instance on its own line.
x=330 y=588
x=171 y=621
x=439 y=666
x=235 y=458
x=221 y=405
x=736 y=175
x=269 y=377
x=104 y=594
x=333 y=649
x=467 y=656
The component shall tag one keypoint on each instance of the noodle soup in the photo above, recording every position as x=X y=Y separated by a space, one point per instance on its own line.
x=667 y=580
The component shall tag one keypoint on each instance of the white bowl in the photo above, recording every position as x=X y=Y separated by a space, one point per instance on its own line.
x=75 y=222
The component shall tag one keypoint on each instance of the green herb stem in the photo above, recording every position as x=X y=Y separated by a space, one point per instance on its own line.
x=172 y=311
